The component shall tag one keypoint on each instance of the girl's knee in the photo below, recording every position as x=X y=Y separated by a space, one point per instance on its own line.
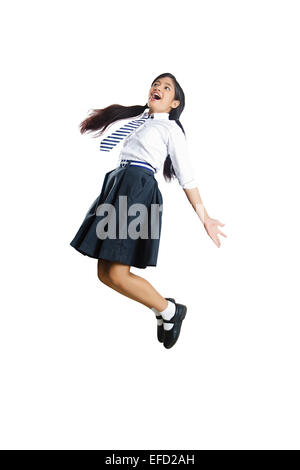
x=103 y=277
x=117 y=275
x=111 y=273
x=102 y=272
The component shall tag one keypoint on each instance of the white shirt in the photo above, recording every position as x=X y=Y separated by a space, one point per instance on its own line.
x=153 y=140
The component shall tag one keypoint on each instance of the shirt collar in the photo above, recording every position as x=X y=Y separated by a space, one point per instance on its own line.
x=155 y=115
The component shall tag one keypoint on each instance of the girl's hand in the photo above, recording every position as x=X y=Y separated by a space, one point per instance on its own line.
x=211 y=227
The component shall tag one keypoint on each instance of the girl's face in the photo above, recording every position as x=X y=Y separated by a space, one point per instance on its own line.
x=161 y=96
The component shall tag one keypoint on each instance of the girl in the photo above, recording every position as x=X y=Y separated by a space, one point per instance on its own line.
x=155 y=137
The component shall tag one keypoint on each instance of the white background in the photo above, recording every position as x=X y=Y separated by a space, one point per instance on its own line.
x=81 y=367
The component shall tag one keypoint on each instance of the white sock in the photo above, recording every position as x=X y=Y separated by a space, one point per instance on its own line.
x=167 y=314
x=157 y=313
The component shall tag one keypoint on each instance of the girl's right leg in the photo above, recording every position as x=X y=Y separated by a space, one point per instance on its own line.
x=118 y=277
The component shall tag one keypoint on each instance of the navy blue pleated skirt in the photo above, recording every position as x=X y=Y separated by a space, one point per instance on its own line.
x=124 y=223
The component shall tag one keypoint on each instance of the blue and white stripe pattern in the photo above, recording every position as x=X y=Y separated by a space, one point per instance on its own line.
x=125 y=162
x=112 y=140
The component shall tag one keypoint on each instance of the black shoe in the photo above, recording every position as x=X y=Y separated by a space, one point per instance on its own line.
x=160 y=328
x=172 y=335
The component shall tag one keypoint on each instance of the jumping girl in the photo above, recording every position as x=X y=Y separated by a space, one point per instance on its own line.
x=154 y=137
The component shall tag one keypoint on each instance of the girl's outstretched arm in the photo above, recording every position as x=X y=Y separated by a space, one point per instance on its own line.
x=210 y=225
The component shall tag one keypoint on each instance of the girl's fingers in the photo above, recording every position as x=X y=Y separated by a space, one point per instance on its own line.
x=221 y=233
x=217 y=241
x=215 y=238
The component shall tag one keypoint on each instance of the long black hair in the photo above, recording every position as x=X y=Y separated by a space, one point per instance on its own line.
x=100 y=119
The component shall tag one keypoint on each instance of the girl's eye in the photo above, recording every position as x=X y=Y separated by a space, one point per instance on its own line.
x=165 y=86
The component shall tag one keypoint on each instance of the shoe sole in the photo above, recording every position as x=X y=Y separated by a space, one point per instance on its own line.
x=182 y=316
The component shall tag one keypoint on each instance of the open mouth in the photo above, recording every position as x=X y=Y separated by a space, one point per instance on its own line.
x=155 y=96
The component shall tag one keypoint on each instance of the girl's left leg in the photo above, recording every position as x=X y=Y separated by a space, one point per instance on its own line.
x=118 y=277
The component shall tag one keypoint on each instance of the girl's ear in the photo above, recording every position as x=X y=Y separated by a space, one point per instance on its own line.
x=175 y=104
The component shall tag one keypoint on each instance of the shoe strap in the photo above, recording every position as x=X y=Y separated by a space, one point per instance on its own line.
x=168 y=321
